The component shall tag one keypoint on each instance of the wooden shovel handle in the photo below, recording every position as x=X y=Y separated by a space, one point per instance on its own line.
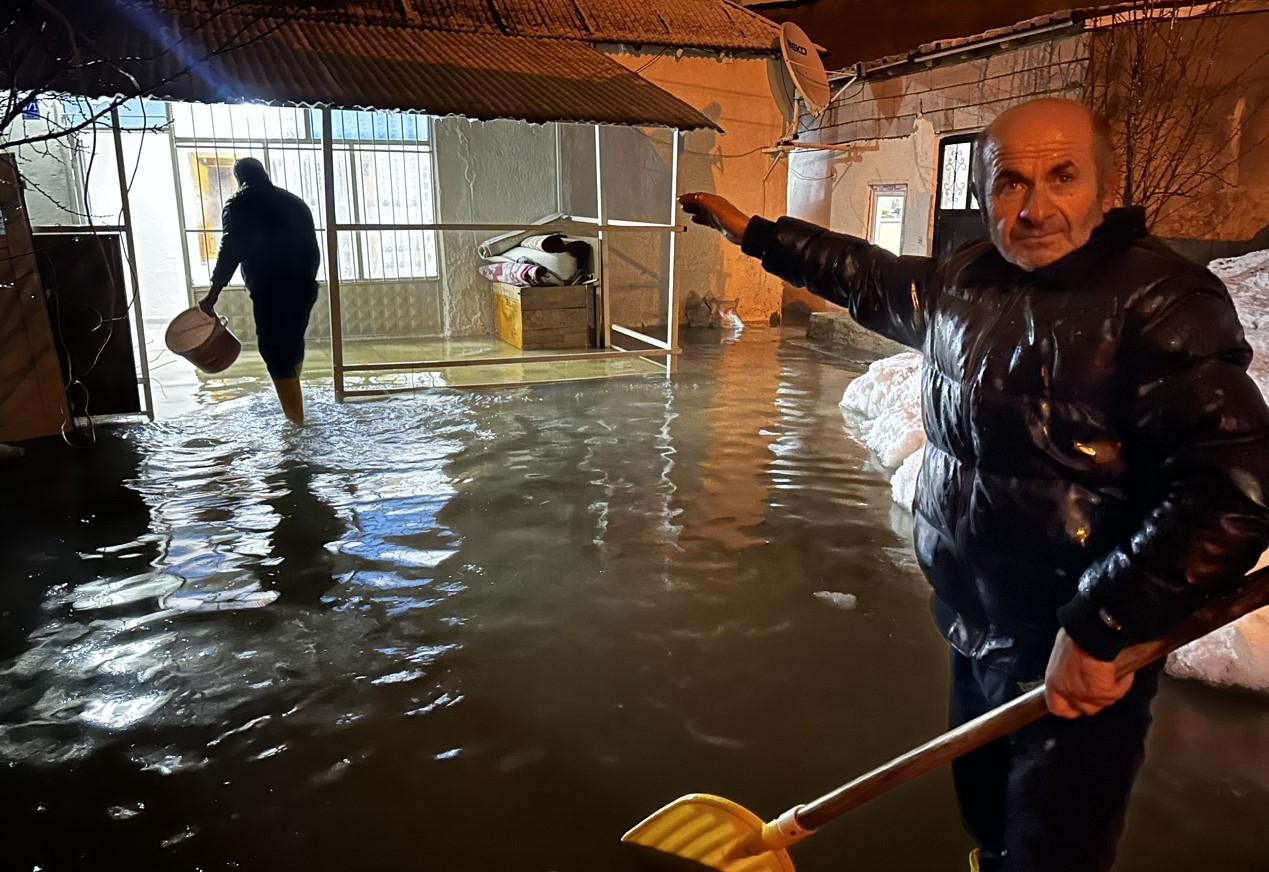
x=1026 y=709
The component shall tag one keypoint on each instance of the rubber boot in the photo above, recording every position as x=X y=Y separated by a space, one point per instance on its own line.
x=291 y=398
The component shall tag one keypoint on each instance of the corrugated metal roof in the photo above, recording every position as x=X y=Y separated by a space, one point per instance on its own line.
x=720 y=25
x=229 y=58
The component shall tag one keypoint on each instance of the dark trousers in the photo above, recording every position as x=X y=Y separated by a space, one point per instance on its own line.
x=281 y=312
x=1052 y=797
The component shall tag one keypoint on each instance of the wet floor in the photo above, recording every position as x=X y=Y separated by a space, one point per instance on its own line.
x=507 y=625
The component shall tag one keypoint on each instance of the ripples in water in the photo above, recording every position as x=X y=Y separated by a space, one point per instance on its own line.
x=439 y=628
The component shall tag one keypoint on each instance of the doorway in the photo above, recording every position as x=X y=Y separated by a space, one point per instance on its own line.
x=957 y=219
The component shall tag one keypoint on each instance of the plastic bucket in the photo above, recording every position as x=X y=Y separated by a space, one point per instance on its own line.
x=204 y=340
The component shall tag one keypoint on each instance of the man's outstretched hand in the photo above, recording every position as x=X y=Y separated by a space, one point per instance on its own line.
x=711 y=210
x=1077 y=683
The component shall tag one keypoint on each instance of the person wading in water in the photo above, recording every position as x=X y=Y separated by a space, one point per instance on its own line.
x=269 y=232
x=1097 y=465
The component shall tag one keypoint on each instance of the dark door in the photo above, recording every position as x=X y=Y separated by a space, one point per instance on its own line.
x=90 y=313
x=956 y=216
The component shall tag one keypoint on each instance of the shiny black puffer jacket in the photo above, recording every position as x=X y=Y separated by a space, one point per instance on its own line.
x=1098 y=457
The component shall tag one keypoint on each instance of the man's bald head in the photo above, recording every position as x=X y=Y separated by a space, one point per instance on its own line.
x=1066 y=112
x=1044 y=173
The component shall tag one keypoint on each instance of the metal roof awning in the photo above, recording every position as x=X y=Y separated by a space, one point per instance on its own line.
x=228 y=58
x=712 y=25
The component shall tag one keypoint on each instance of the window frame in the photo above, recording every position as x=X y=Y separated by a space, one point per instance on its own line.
x=971 y=198
x=187 y=150
x=887 y=189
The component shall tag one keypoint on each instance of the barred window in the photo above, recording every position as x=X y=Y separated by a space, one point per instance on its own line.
x=383 y=175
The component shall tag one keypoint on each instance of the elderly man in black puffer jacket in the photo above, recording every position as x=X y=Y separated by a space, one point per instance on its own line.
x=1096 y=466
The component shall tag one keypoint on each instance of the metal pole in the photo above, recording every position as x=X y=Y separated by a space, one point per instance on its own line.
x=615 y=226
x=332 y=256
x=601 y=215
x=126 y=207
x=535 y=357
x=442 y=261
x=672 y=315
x=180 y=203
x=559 y=172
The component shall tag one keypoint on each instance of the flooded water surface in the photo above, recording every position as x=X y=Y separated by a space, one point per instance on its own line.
x=494 y=629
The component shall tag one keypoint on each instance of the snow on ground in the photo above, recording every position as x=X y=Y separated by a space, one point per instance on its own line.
x=883 y=409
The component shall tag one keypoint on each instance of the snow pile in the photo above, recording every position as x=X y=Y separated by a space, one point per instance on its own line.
x=1237 y=655
x=1247 y=278
x=887 y=383
x=903 y=482
x=885 y=406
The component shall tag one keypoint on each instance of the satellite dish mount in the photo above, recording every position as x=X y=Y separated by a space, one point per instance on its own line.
x=809 y=83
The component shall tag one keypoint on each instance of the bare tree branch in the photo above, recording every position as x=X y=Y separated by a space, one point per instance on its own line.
x=1159 y=73
x=79 y=62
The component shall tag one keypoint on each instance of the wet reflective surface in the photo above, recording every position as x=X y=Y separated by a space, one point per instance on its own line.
x=493 y=629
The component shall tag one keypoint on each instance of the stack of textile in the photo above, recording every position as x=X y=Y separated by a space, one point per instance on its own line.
x=536 y=260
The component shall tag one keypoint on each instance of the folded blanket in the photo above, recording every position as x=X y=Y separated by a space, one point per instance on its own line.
x=553 y=243
x=498 y=244
x=523 y=274
x=564 y=266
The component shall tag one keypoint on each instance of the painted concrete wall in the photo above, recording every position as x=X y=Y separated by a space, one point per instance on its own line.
x=486 y=172
x=47 y=169
x=834 y=189
x=152 y=199
x=908 y=161
x=812 y=178
x=737 y=94
x=957 y=97
x=637 y=187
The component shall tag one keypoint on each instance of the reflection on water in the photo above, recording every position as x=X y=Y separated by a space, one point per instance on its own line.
x=492 y=630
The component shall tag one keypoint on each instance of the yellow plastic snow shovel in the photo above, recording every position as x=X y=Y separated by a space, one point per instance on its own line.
x=711 y=832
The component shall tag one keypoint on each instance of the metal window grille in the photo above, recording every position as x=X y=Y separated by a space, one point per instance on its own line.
x=383 y=175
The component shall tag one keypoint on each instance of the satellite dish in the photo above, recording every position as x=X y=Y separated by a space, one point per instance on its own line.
x=802 y=60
